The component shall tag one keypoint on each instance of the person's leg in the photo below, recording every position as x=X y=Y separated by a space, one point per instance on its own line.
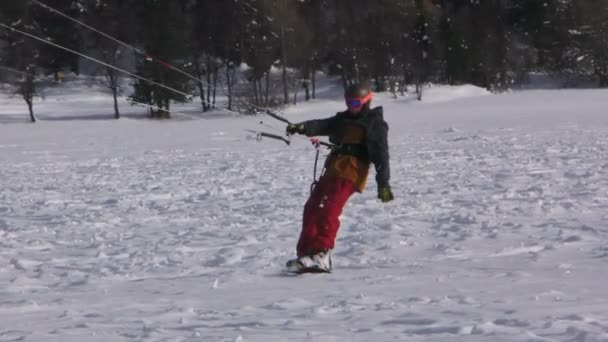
x=309 y=219
x=321 y=214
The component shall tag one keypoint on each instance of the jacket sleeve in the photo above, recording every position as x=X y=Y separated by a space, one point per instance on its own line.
x=319 y=127
x=378 y=151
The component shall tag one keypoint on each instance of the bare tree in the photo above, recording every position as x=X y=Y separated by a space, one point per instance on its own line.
x=114 y=19
x=23 y=54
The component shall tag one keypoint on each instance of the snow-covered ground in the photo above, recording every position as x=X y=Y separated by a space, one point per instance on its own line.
x=137 y=230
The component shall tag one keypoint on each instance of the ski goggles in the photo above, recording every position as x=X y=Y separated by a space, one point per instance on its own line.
x=359 y=102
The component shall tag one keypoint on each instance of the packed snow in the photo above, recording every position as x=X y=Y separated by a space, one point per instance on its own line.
x=139 y=230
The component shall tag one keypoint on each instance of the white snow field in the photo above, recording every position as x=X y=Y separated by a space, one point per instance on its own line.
x=138 y=230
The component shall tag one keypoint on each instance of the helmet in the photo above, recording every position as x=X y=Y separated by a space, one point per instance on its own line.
x=358 y=95
x=356 y=91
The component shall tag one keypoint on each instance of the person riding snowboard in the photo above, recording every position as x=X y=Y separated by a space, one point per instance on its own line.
x=359 y=135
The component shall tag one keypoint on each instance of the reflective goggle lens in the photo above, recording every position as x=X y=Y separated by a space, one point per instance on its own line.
x=354 y=103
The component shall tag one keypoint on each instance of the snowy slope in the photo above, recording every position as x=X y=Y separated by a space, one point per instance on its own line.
x=134 y=230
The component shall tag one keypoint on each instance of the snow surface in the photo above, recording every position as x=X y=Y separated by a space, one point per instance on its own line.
x=137 y=230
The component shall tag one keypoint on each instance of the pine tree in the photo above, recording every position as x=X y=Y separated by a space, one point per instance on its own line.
x=226 y=41
x=344 y=38
x=163 y=33
x=489 y=43
x=422 y=45
x=61 y=31
x=593 y=28
x=555 y=37
x=204 y=18
x=261 y=48
x=311 y=38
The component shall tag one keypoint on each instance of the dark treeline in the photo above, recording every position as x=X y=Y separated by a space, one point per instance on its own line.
x=489 y=43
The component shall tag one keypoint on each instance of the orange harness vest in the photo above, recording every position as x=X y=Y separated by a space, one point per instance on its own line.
x=352 y=167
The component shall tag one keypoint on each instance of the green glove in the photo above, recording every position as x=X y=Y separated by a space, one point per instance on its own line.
x=295 y=128
x=385 y=194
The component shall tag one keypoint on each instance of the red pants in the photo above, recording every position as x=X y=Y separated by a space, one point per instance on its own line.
x=321 y=214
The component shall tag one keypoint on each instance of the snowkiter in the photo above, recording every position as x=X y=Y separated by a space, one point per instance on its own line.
x=359 y=136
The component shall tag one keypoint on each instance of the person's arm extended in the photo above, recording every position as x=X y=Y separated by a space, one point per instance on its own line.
x=312 y=128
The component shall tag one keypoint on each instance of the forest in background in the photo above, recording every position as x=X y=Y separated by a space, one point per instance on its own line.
x=198 y=47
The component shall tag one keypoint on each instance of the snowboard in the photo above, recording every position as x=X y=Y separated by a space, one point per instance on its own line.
x=305 y=270
x=297 y=269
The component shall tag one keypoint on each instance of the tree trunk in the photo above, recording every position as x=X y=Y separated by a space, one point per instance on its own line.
x=357 y=69
x=314 y=83
x=215 y=74
x=260 y=92
x=393 y=86
x=208 y=81
x=378 y=83
x=115 y=95
x=344 y=79
x=603 y=81
x=267 y=90
x=30 y=107
x=201 y=89
x=284 y=54
x=256 y=99
x=285 y=89
x=167 y=107
x=113 y=83
x=406 y=80
x=602 y=73
x=418 y=90
x=27 y=89
x=199 y=75
x=229 y=83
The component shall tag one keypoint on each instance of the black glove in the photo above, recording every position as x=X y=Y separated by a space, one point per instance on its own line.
x=295 y=129
x=385 y=194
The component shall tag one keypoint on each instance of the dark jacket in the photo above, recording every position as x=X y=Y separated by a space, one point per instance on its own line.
x=374 y=145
